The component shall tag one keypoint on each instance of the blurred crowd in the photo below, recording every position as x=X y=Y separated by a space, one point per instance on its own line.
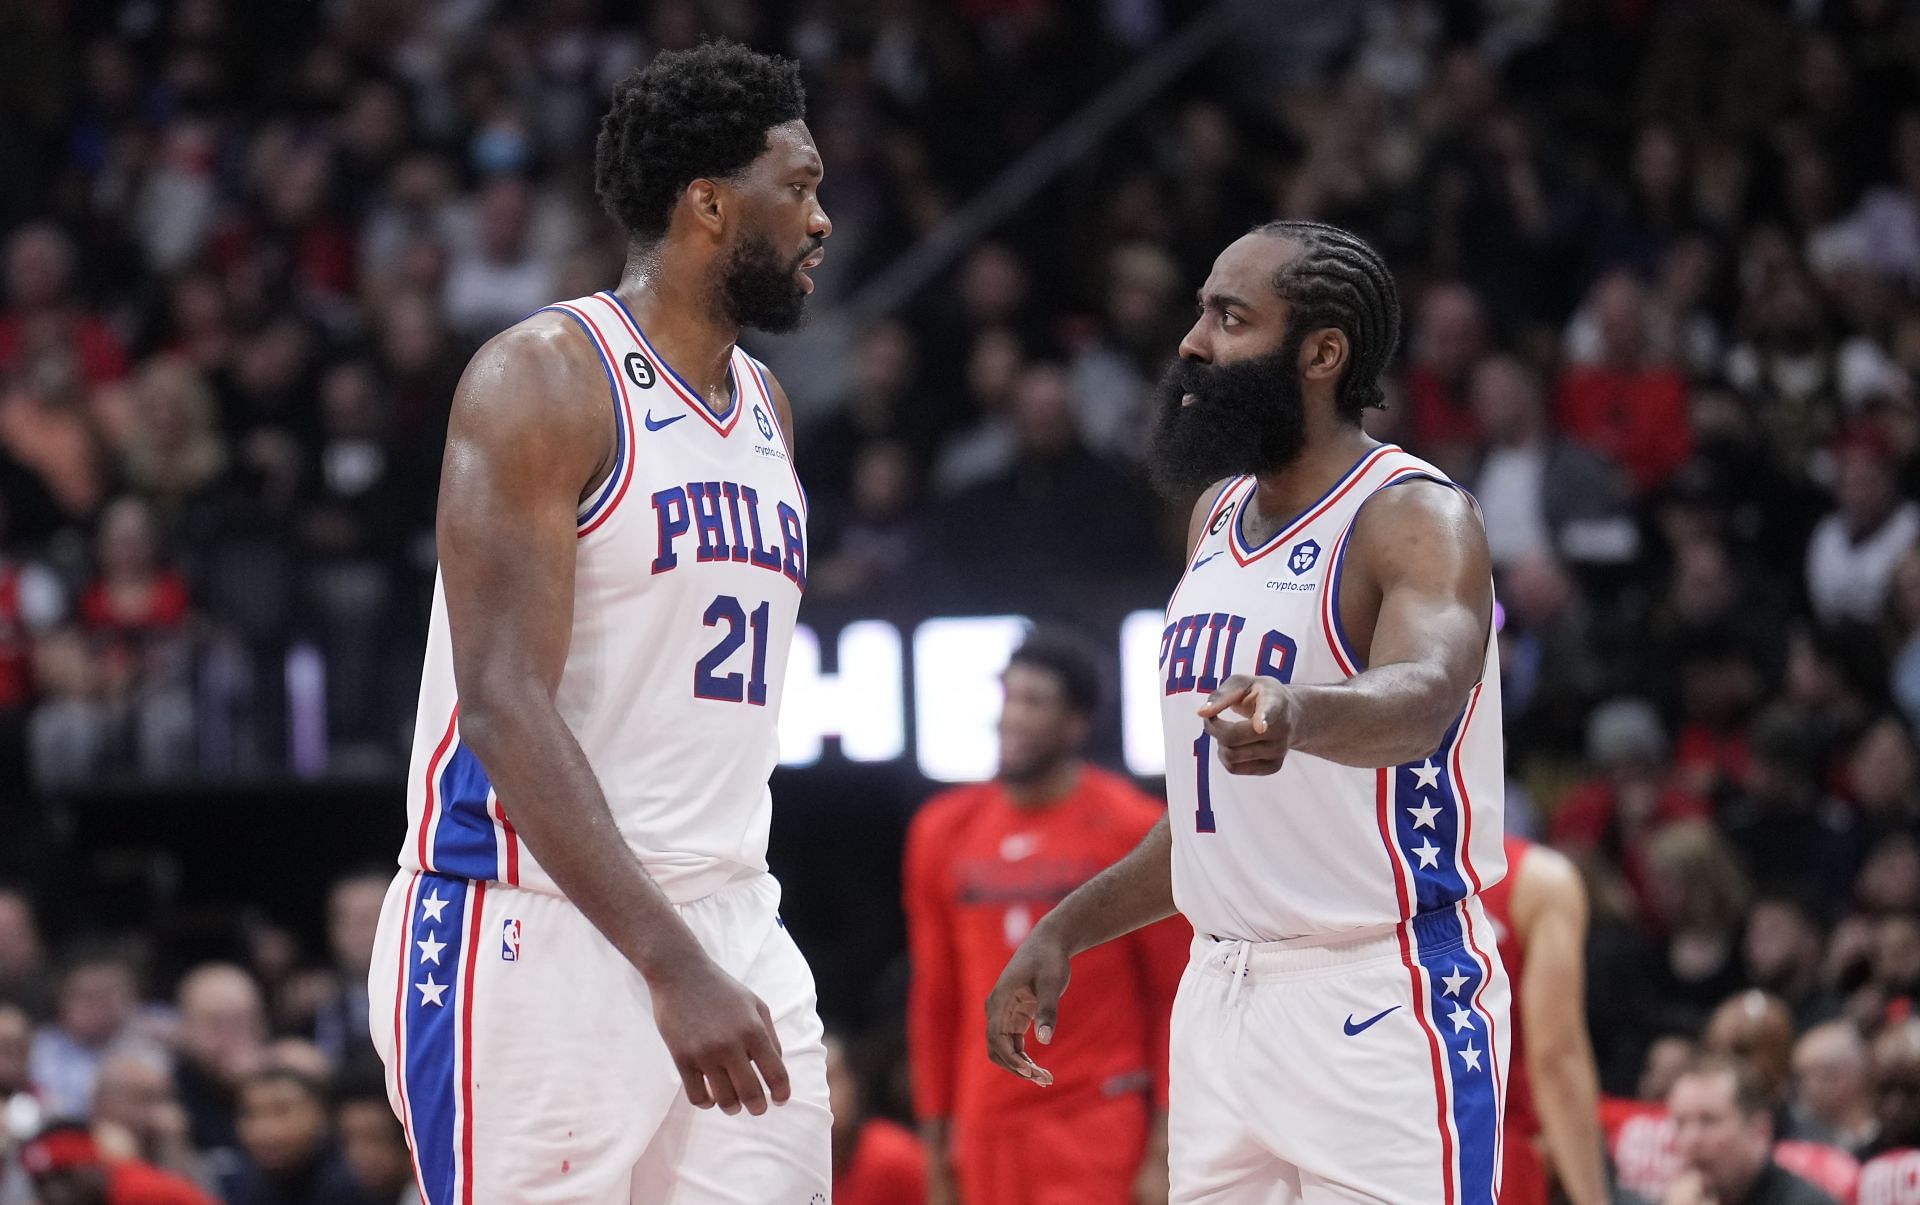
x=1660 y=261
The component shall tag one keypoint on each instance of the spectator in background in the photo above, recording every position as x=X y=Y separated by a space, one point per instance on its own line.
x=23 y=955
x=1113 y=376
x=1542 y=493
x=1854 y=551
x=1903 y=614
x=43 y=319
x=1059 y=515
x=32 y=603
x=16 y=1045
x=223 y=1036
x=875 y=1161
x=135 y=615
x=1884 y=777
x=1790 y=834
x=290 y=1157
x=374 y=1145
x=872 y=549
x=502 y=277
x=137 y=1115
x=1723 y=1132
x=1894 y=1162
x=353 y=914
x=1787 y=368
x=172 y=451
x=1449 y=337
x=878 y=406
x=1832 y=1100
x=983 y=864
x=1625 y=406
x=68 y=1168
x=98 y=996
x=1758 y=1030
x=1781 y=953
x=1634 y=796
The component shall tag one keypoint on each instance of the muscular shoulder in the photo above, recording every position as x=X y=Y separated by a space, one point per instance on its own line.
x=1419 y=510
x=540 y=373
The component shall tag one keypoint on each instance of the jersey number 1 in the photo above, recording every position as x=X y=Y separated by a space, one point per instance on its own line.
x=732 y=688
x=1277 y=651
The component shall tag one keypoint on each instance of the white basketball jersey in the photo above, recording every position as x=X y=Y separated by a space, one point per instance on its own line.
x=1318 y=847
x=690 y=562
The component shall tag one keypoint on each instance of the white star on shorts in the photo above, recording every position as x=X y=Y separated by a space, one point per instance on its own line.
x=430 y=992
x=433 y=906
x=1428 y=776
x=1471 y=1055
x=430 y=949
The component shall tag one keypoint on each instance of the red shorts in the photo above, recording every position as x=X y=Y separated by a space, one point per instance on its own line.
x=1523 y=1170
x=1087 y=1155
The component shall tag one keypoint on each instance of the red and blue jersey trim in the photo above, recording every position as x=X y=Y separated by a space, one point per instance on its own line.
x=433 y=1033
x=725 y=423
x=1426 y=829
x=607 y=498
x=1246 y=554
x=464 y=830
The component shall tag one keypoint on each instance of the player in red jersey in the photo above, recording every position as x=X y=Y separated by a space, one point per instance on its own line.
x=1539 y=913
x=983 y=864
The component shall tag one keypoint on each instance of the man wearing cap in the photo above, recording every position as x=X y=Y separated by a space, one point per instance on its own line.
x=67 y=1168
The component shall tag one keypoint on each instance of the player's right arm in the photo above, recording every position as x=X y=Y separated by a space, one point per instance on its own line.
x=528 y=433
x=1550 y=911
x=1131 y=894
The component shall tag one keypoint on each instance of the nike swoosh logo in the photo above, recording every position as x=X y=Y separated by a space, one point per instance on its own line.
x=655 y=425
x=1203 y=560
x=1367 y=1024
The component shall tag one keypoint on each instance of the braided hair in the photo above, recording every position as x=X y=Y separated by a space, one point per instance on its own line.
x=1337 y=280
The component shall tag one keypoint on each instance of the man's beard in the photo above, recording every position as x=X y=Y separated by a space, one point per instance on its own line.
x=757 y=287
x=1247 y=418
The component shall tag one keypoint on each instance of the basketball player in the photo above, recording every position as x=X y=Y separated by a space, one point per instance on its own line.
x=983 y=862
x=1332 y=715
x=1539 y=917
x=582 y=989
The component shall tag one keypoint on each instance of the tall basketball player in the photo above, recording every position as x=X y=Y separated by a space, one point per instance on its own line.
x=582 y=989
x=1332 y=714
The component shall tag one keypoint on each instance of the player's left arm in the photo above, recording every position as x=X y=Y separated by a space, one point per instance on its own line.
x=1421 y=551
x=1550 y=911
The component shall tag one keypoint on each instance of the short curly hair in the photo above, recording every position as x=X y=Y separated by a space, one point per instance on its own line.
x=685 y=115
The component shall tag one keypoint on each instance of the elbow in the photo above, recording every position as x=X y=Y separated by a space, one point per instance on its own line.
x=486 y=715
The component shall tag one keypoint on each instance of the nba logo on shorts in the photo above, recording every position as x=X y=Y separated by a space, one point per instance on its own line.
x=1304 y=554
x=510 y=940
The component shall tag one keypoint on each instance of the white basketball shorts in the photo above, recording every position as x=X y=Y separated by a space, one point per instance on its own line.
x=1366 y=1068
x=523 y=1060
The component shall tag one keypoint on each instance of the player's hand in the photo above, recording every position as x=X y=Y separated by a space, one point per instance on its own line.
x=718 y=1033
x=1028 y=994
x=1257 y=741
x=1689 y=1188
